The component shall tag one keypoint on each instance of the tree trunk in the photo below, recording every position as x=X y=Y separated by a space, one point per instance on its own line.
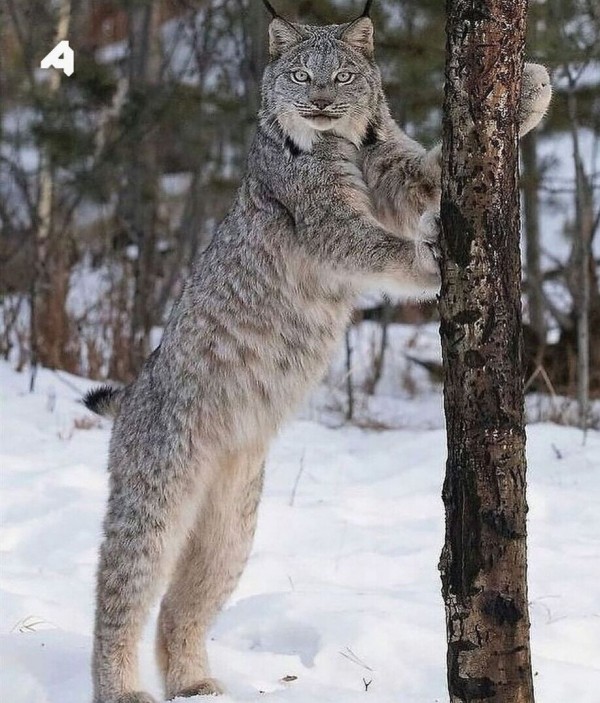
x=483 y=563
x=580 y=262
x=139 y=199
x=349 y=379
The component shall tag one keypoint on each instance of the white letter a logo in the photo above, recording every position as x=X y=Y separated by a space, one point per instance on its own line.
x=61 y=57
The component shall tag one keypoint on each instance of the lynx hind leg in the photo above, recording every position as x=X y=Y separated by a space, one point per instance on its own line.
x=536 y=94
x=206 y=574
x=143 y=526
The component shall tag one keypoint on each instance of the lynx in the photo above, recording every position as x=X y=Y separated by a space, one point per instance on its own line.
x=336 y=199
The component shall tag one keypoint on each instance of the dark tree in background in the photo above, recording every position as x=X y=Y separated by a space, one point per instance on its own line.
x=483 y=563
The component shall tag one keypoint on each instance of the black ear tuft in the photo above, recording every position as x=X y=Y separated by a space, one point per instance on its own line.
x=270 y=8
x=367 y=10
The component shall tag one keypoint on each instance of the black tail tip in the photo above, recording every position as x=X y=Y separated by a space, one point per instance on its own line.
x=101 y=400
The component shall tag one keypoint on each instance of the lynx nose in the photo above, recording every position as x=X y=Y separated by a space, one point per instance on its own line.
x=321 y=103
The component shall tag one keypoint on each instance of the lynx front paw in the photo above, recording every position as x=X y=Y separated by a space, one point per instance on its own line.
x=429 y=276
x=536 y=93
x=428 y=254
x=429 y=240
x=136 y=697
x=205 y=687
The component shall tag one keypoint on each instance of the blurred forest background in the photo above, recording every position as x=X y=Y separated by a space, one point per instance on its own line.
x=111 y=180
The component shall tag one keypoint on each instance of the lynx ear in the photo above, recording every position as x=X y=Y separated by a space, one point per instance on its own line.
x=360 y=35
x=282 y=37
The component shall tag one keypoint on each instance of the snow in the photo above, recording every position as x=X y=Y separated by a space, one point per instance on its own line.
x=342 y=584
x=404 y=397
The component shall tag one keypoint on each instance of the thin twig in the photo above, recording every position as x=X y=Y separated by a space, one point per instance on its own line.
x=350 y=655
x=297 y=481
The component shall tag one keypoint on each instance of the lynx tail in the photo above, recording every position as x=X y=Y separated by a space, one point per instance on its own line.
x=104 y=400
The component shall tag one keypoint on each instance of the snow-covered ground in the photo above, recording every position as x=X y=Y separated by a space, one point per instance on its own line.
x=342 y=588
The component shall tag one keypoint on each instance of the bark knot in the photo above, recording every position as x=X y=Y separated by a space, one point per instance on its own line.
x=501 y=607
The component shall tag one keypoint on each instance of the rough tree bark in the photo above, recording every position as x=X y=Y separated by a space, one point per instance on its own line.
x=483 y=563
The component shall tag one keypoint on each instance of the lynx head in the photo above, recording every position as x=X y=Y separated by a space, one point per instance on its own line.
x=322 y=79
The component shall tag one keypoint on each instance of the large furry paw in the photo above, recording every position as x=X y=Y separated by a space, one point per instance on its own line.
x=536 y=93
x=136 y=697
x=205 y=687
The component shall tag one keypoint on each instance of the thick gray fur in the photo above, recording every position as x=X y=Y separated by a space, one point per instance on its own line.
x=336 y=199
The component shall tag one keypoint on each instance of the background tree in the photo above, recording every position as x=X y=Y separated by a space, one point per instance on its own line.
x=483 y=562
x=566 y=36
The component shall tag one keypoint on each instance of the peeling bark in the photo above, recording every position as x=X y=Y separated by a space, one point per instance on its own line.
x=483 y=563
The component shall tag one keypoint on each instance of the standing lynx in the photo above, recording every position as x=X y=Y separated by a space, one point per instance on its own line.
x=332 y=203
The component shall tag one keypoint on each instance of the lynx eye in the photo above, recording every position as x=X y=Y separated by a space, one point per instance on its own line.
x=300 y=76
x=345 y=77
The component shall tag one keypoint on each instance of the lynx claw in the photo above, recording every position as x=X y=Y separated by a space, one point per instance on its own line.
x=431 y=229
x=435 y=250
